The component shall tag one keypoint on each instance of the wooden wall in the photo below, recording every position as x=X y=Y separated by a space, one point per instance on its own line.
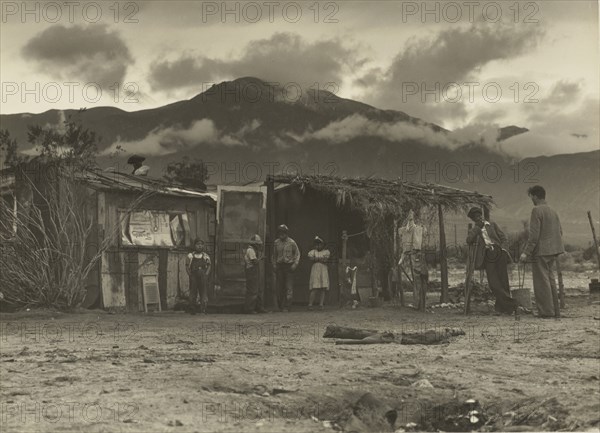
x=122 y=267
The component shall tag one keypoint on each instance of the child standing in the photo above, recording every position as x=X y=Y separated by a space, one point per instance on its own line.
x=252 y=257
x=198 y=268
x=319 y=274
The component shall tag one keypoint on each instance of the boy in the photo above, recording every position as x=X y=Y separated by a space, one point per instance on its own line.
x=198 y=268
x=252 y=256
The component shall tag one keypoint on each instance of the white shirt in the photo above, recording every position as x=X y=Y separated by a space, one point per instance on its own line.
x=250 y=257
x=486 y=237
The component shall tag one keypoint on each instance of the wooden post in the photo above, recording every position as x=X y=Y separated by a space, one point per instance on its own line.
x=443 y=258
x=486 y=216
x=342 y=268
x=594 y=236
x=469 y=275
x=270 y=240
x=344 y=246
x=399 y=291
x=372 y=262
x=395 y=256
x=455 y=238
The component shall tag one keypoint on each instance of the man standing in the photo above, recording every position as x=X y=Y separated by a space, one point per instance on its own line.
x=489 y=241
x=286 y=257
x=544 y=244
x=252 y=257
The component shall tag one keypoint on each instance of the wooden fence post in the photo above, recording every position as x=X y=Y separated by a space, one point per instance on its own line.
x=589 y=214
x=270 y=242
x=342 y=269
x=443 y=258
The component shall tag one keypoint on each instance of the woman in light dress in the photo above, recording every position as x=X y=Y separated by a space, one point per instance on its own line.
x=319 y=274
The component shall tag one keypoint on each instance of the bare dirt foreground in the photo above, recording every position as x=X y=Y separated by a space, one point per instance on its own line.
x=164 y=372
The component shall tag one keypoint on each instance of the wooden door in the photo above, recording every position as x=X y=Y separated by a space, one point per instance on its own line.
x=241 y=213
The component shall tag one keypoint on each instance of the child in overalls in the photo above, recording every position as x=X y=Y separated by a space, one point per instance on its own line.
x=198 y=267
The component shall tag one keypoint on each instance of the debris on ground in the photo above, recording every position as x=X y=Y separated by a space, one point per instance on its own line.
x=367 y=336
x=431 y=336
x=479 y=293
x=333 y=331
x=379 y=338
x=422 y=383
x=448 y=305
x=368 y=414
x=455 y=415
x=545 y=415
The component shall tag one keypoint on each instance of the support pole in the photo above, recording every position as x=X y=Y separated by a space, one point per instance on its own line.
x=372 y=262
x=469 y=274
x=589 y=214
x=443 y=258
x=399 y=291
x=455 y=238
x=342 y=270
x=344 y=247
x=270 y=240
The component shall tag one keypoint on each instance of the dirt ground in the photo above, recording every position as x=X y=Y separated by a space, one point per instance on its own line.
x=162 y=372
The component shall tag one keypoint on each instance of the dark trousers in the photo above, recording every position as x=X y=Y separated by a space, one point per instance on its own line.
x=285 y=285
x=253 y=291
x=198 y=286
x=496 y=269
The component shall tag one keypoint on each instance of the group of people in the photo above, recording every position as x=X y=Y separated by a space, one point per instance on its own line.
x=285 y=260
x=543 y=246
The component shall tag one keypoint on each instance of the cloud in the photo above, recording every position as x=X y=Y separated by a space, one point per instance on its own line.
x=359 y=126
x=564 y=92
x=283 y=58
x=454 y=55
x=91 y=54
x=172 y=139
x=557 y=130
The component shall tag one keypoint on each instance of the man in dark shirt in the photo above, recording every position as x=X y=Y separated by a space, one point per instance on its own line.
x=490 y=255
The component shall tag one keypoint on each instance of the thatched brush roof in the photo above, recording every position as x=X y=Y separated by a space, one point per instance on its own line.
x=384 y=197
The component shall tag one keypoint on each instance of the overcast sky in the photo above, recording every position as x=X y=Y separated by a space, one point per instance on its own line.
x=444 y=62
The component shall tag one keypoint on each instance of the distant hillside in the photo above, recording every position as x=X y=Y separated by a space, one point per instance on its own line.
x=243 y=127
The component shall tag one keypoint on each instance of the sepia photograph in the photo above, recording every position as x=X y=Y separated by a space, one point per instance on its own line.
x=208 y=208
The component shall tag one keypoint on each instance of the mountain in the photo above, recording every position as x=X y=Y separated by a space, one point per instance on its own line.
x=245 y=128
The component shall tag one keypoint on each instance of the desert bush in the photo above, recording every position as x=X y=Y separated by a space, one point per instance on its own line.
x=589 y=253
x=47 y=226
x=571 y=248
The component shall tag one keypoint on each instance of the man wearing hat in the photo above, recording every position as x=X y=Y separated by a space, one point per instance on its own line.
x=286 y=257
x=252 y=257
x=138 y=168
x=489 y=241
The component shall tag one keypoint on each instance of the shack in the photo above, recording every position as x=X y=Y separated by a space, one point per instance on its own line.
x=142 y=245
x=357 y=218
